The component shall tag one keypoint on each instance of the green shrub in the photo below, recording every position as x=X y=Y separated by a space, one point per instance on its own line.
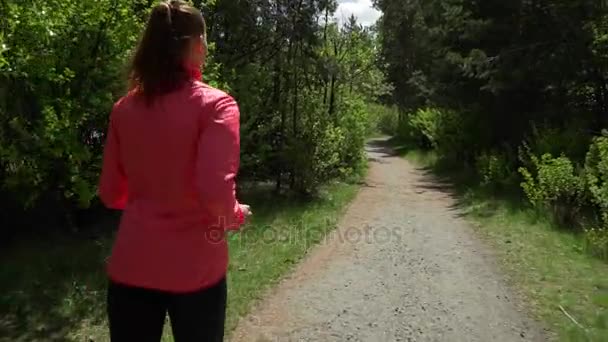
x=353 y=123
x=596 y=177
x=454 y=135
x=383 y=119
x=60 y=71
x=554 y=183
x=559 y=185
x=424 y=124
x=596 y=172
x=324 y=149
x=315 y=156
x=495 y=170
x=389 y=121
x=571 y=141
x=404 y=128
x=596 y=241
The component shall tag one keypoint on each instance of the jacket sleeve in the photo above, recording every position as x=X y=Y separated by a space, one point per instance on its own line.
x=217 y=164
x=113 y=188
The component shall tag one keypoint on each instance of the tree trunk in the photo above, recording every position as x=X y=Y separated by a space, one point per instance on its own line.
x=332 y=96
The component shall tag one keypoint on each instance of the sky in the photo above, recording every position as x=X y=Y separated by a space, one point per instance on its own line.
x=362 y=9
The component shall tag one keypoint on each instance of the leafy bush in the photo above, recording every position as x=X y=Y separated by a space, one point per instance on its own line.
x=596 y=241
x=424 y=126
x=555 y=184
x=353 y=122
x=596 y=172
x=325 y=149
x=453 y=134
x=316 y=156
x=389 y=121
x=571 y=141
x=495 y=170
x=61 y=68
x=383 y=119
x=596 y=177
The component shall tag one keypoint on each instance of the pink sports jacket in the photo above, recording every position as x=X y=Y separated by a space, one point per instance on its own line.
x=171 y=168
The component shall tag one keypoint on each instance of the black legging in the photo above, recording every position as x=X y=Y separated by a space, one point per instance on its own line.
x=137 y=314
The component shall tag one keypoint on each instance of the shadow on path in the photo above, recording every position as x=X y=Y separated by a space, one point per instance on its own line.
x=431 y=180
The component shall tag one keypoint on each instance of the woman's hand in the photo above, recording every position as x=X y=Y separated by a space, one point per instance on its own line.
x=246 y=210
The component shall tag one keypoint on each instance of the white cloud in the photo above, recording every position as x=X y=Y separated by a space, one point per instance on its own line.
x=362 y=9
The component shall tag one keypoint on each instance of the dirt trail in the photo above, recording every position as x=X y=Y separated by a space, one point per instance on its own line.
x=402 y=266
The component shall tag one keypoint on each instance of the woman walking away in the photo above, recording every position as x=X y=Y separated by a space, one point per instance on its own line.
x=170 y=161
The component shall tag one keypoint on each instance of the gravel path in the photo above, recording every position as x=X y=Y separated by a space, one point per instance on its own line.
x=402 y=266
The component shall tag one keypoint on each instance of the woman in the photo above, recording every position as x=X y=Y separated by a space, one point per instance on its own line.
x=170 y=160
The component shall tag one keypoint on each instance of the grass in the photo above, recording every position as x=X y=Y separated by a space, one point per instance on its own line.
x=53 y=289
x=547 y=264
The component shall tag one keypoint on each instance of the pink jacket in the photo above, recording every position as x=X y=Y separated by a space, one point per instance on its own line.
x=171 y=167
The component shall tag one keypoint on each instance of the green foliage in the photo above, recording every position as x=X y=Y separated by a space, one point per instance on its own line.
x=596 y=172
x=354 y=123
x=497 y=66
x=443 y=130
x=325 y=149
x=61 y=70
x=389 y=120
x=596 y=241
x=495 y=170
x=318 y=160
x=572 y=141
x=315 y=154
x=382 y=119
x=558 y=184
x=552 y=182
x=425 y=124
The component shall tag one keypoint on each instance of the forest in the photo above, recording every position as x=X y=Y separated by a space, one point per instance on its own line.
x=302 y=82
x=514 y=93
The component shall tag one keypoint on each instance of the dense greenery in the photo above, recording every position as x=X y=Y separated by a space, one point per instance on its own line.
x=302 y=82
x=514 y=90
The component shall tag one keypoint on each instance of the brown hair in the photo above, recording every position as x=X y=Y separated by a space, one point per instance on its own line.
x=158 y=67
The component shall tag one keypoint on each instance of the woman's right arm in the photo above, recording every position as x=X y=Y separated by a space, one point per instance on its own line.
x=218 y=162
x=113 y=185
